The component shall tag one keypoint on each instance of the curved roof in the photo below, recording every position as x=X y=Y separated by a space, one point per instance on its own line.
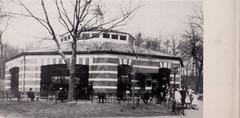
x=102 y=45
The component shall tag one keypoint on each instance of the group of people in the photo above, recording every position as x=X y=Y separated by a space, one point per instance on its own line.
x=186 y=98
x=183 y=97
x=84 y=93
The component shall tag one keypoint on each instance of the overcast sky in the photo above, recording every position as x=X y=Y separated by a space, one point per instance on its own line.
x=165 y=17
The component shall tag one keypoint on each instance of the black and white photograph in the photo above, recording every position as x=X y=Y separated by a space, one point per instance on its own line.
x=101 y=58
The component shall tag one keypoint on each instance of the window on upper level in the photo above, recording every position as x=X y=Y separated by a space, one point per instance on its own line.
x=95 y=35
x=85 y=36
x=123 y=37
x=65 y=38
x=148 y=83
x=105 y=35
x=69 y=37
x=114 y=36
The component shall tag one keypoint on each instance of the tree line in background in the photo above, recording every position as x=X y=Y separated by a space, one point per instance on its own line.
x=189 y=47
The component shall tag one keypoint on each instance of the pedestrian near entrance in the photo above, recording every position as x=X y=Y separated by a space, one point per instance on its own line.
x=195 y=102
x=31 y=94
x=90 y=91
x=183 y=96
x=61 y=94
x=177 y=101
x=18 y=95
x=101 y=96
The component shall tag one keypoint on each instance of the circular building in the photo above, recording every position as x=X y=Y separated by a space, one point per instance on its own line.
x=107 y=60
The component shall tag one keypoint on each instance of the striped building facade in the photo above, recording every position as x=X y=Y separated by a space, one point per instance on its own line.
x=102 y=55
x=103 y=68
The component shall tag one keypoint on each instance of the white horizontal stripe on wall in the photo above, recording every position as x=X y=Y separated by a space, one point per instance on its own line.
x=148 y=67
x=137 y=88
x=114 y=72
x=102 y=79
x=32 y=71
x=34 y=64
x=103 y=64
x=32 y=86
x=7 y=81
x=148 y=88
x=105 y=87
x=176 y=75
x=35 y=79
x=172 y=82
x=7 y=87
x=7 y=75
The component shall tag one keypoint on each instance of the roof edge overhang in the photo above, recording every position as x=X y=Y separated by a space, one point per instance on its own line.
x=98 y=52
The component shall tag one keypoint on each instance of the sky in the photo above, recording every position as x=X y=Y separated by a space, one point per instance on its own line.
x=154 y=18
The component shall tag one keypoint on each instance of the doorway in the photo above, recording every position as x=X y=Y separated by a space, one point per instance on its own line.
x=57 y=76
x=124 y=81
x=14 y=79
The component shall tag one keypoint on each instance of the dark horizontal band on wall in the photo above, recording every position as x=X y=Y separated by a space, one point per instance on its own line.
x=103 y=68
x=105 y=60
x=145 y=70
x=104 y=83
x=112 y=91
x=102 y=75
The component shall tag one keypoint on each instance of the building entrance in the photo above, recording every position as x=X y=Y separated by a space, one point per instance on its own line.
x=54 y=77
x=124 y=81
x=14 y=79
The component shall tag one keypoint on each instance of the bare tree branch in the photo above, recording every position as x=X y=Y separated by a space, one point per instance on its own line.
x=33 y=16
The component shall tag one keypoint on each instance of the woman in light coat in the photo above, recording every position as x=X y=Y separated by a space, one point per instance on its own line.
x=195 y=101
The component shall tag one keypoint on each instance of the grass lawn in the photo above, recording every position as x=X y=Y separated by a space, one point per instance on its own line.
x=76 y=110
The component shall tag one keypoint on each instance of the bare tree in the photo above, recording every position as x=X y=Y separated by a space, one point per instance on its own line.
x=2 y=57
x=193 y=44
x=82 y=18
x=3 y=17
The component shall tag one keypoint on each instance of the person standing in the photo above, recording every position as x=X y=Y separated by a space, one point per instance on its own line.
x=90 y=91
x=31 y=94
x=177 y=101
x=183 y=93
x=61 y=94
x=188 y=97
x=195 y=102
x=101 y=96
x=18 y=95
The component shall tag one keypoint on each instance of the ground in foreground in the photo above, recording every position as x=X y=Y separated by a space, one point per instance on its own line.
x=76 y=110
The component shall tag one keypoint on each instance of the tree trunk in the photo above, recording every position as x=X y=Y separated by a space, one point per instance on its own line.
x=199 y=77
x=72 y=72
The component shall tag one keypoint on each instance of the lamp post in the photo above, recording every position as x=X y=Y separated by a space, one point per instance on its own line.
x=133 y=89
x=174 y=69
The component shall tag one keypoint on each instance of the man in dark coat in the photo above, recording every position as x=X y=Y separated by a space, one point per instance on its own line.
x=31 y=94
x=61 y=94
x=90 y=91
x=183 y=93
